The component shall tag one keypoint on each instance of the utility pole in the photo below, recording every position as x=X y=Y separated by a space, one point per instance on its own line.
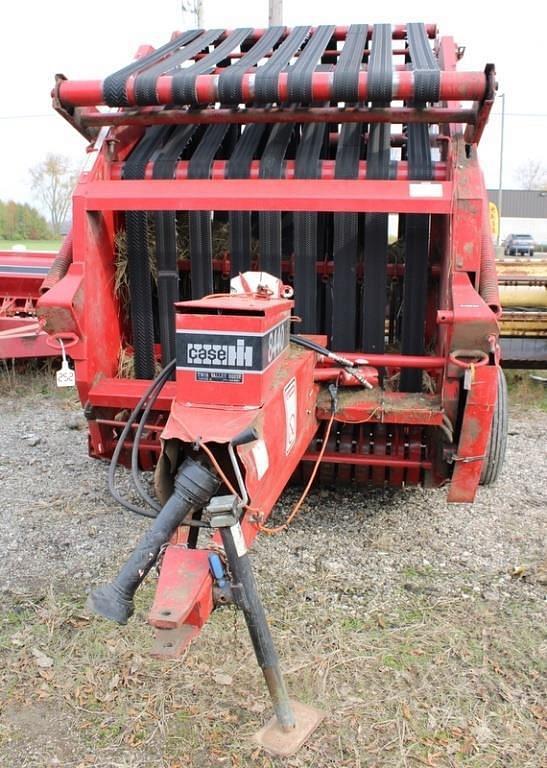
x=500 y=185
x=275 y=14
x=192 y=13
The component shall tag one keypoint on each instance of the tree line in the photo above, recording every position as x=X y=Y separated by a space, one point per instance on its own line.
x=20 y=221
x=51 y=182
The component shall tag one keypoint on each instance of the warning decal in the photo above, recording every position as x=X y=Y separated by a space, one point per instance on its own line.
x=289 y=399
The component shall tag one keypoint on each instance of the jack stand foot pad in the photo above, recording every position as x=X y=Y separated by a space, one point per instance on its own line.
x=276 y=741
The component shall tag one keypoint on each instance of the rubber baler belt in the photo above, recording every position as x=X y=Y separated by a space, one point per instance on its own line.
x=145 y=83
x=266 y=78
x=345 y=244
x=427 y=78
x=184 y=80
x=166 y=243
x=138 y=268
x=201 y=246
x=271 y=167
x=307 y=166
x=348 y=67
x=115 y=85
x=229 y=81
x=376 y=224
x=239 y=167
x=301 y=72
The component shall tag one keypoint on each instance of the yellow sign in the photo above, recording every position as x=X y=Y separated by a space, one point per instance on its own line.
x=494 y=219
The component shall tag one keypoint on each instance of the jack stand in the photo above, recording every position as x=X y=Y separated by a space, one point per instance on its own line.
x=293 y=722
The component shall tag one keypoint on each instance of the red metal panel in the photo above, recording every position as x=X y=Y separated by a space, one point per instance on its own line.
x=22 y=272
x=184 y=594
x=270 y=461
x=233 y=315
x=28 y=343
x=126 y=393
x=218 y=170
x=377 y=406
x=466 y=222
x=267 y=195
x=475 y=432
x=472 y=321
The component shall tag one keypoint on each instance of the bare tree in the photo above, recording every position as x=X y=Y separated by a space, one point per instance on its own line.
x=532 y=174
x=52 y=182
x=192 y=13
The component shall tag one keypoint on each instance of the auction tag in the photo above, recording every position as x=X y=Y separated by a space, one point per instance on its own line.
x=467 y=378
x=65 y=376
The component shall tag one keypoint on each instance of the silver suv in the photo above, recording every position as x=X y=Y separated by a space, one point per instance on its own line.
x=519 y=245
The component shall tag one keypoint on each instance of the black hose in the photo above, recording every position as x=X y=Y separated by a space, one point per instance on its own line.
x=308 y=344
x=152 y=392
x=141 y=490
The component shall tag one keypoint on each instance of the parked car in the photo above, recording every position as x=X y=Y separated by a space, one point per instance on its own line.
x=519 y=245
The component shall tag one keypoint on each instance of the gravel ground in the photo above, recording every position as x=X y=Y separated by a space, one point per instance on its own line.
x=359 y=559
x=59 y=522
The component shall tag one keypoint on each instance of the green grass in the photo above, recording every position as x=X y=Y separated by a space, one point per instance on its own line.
x=31 y=245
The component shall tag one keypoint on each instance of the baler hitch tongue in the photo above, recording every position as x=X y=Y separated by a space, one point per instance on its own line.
x=194 y=487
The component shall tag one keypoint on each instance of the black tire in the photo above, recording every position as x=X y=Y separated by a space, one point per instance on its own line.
x=495 y=450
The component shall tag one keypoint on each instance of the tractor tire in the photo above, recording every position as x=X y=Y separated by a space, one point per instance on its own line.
x=495 y=451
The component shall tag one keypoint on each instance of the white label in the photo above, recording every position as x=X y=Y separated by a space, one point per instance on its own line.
x=289 y=398
x=467 y=378
x=425 y=189
x=261 y=459
x=239 y=541
x=65 y=376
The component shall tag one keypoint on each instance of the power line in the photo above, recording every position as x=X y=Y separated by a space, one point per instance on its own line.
x=520 y=114
x=26 y=117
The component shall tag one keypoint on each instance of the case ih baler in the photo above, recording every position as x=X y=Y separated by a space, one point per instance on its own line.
x=334 y=162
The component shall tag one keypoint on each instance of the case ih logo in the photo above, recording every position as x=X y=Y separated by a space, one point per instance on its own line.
x=238 y=355
x=226 y=352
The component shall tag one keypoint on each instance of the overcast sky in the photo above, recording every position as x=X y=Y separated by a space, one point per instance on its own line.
x=89 y=41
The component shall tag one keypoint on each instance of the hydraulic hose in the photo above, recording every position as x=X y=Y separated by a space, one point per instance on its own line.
x=194 y=487
x=151 y=393
x=60 y=265
x=488 y=278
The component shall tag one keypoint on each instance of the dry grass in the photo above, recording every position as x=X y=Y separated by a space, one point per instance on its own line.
x=524 y=391
x=220 y=245
x=425 y=681
x=32 y=378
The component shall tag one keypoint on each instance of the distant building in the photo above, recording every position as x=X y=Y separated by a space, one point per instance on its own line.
x=523 y=211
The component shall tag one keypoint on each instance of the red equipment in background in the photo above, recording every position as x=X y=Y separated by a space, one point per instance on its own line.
x=21 y=276
x=178 y=198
